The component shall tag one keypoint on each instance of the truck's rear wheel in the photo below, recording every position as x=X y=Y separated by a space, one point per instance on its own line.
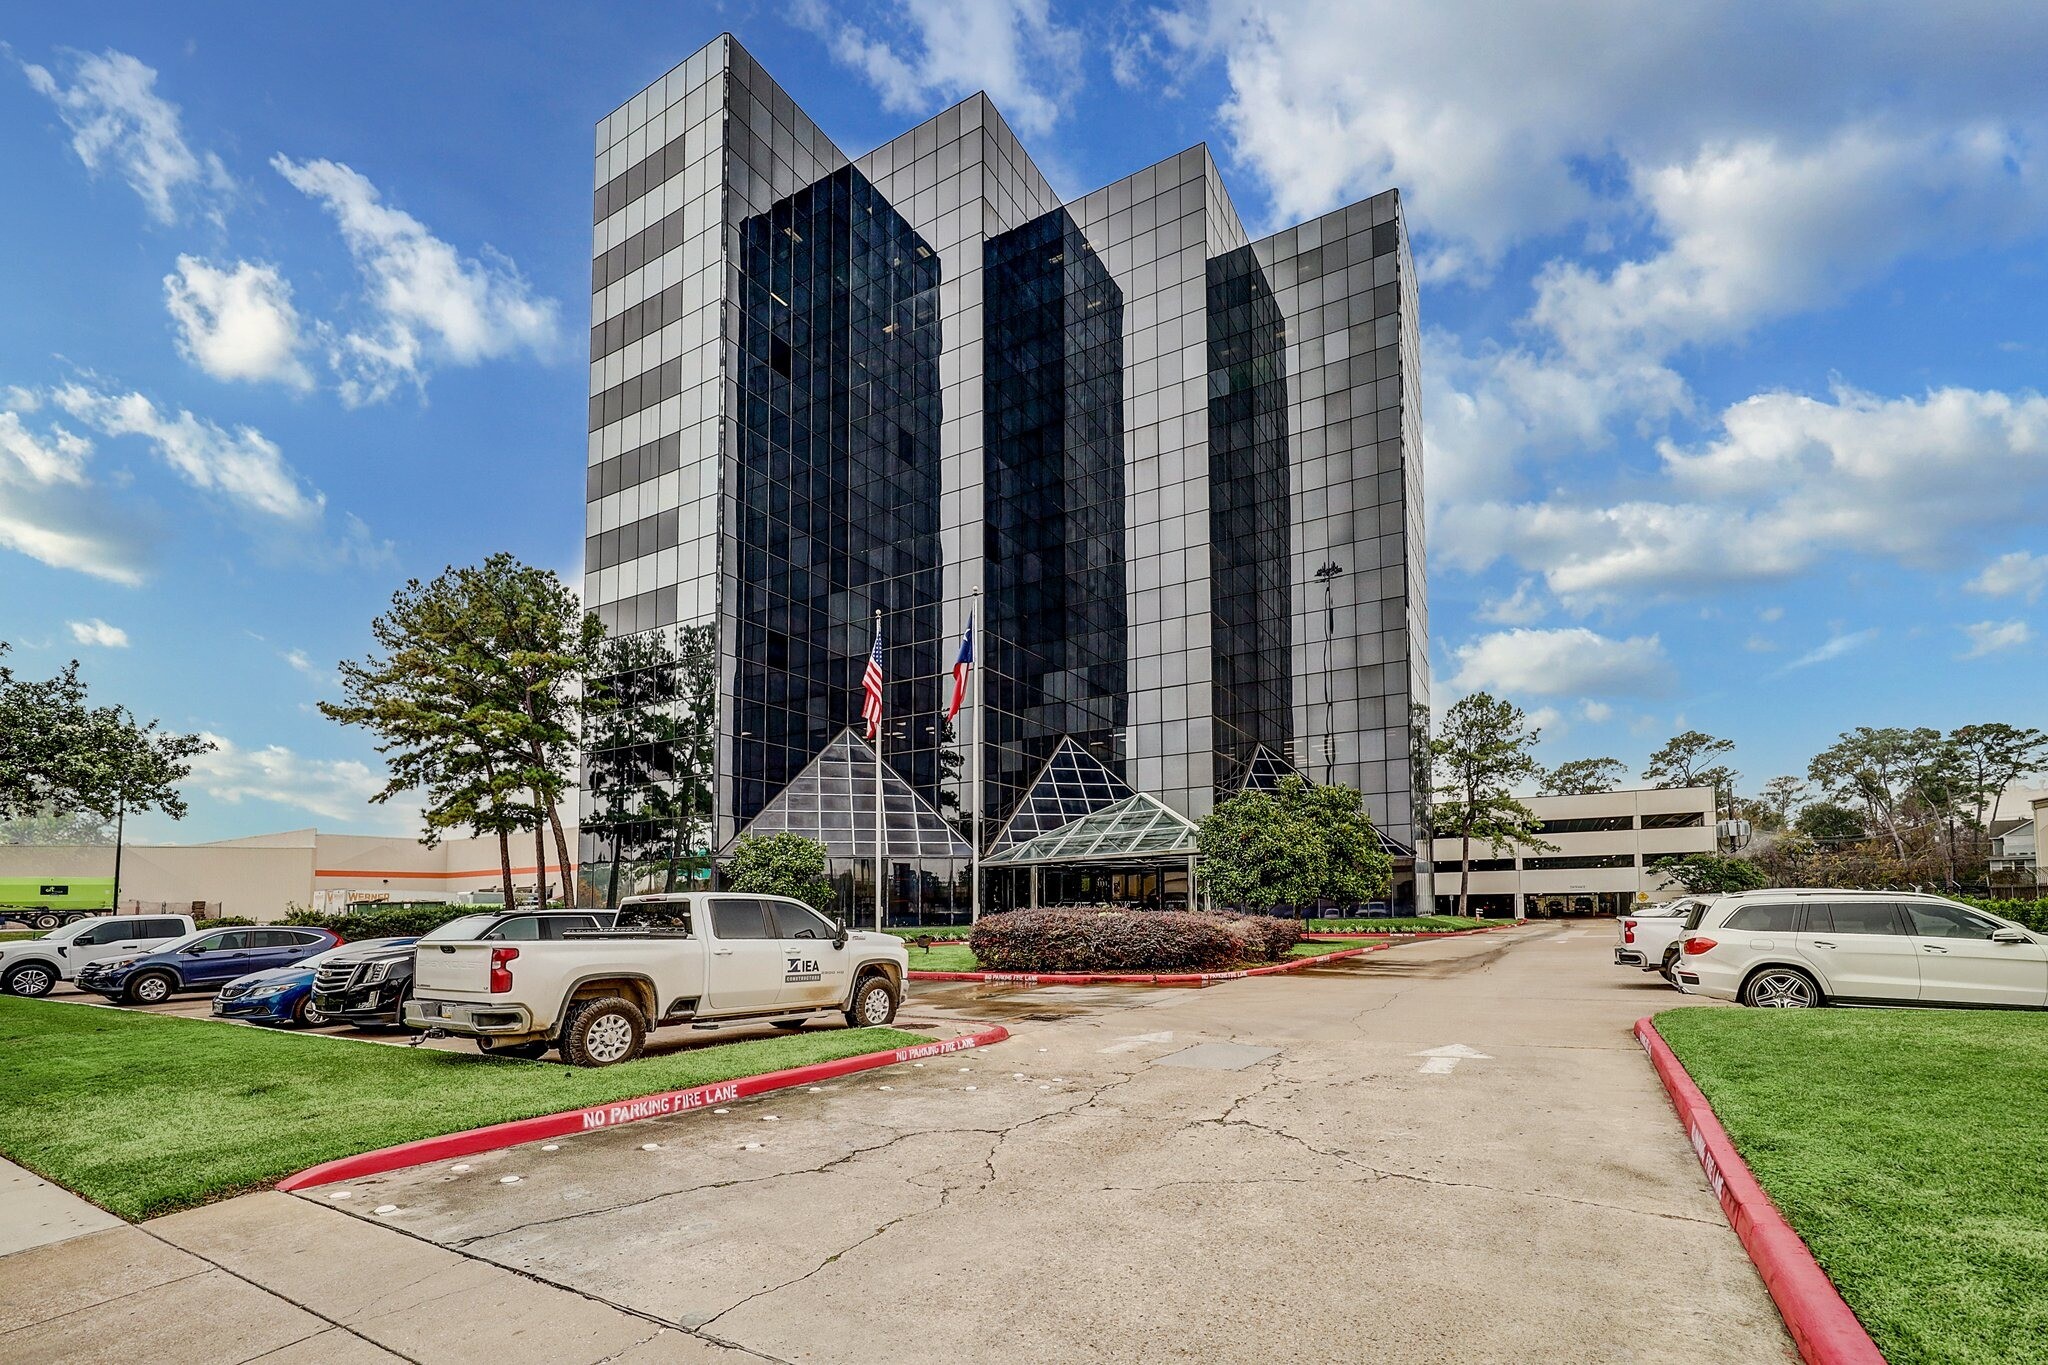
x=604 y=1032
x=46 y=921
x=874 y=1003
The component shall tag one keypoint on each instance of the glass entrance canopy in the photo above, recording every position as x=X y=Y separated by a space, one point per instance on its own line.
x=1138 y=828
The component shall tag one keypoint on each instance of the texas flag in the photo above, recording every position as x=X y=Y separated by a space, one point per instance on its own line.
x=962 y=666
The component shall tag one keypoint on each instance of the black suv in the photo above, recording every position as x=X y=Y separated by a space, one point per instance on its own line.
x=369 y=989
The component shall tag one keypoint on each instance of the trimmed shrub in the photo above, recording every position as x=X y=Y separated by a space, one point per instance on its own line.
x=2033 y=914
x=1104 y=941
x=1261 y=938
x=408 y=921
x=224 y=922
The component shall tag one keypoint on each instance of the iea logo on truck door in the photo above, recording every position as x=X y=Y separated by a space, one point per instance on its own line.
x=802 y=969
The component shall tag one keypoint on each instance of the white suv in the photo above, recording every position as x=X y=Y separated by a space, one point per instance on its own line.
x=1819 y=947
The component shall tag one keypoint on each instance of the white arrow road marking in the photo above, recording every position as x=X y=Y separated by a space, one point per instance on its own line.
x=1442 y=1061
x=1138 y=1040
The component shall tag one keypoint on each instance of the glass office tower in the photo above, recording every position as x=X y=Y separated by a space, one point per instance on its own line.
x=1182 y=467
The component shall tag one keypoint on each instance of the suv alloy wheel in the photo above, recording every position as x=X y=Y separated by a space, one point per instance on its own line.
x=1781 y=988
x=29 y=979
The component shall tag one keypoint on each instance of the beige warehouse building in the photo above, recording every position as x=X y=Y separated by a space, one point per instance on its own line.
x=1603 y=863
x=263 y=876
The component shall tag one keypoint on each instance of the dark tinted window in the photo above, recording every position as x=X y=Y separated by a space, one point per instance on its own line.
x=669 y=917
x=1854 y=917
x=106 y=933
x=733 y=918
x=796 y=921
x=1690 y=819
x=523 y=929
x=159 y=928
x=1590 y=824
x=1767 y=919
x=555 y=927
x=1931 y=920
x=1692 y=921
x=273 y=938
x=234 y=938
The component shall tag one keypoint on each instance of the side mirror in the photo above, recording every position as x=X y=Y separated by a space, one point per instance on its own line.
x=2009 y=936
x=839 y=939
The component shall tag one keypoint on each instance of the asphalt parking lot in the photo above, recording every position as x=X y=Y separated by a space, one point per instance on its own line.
x=1449 y=1152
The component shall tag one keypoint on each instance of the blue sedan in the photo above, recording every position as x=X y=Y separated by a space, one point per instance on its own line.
x=284 y=995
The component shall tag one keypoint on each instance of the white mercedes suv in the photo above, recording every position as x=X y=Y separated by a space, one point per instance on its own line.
x=1801 y=948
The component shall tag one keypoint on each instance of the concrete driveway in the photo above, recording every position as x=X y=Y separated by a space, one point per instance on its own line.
x=1289 y=1168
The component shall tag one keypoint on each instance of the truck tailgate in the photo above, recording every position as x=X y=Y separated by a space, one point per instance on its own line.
x=453 y=968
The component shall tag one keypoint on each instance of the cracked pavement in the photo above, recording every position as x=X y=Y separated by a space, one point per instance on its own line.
x=1061 y=1196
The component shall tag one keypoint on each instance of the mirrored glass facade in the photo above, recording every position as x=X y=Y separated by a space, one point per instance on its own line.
x=1182 y=468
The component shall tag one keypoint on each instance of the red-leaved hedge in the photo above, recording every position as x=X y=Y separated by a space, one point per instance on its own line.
x=1126 y=941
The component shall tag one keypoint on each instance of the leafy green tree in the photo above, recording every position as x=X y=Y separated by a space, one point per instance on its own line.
x=650 y=724
x=61 y=757
x=1684 y=761
x=463 y=700
x=782 y=865
x=1875 y=768
x=1829 y=822
x=46 y=828
x=1992 y=757
x=1780 y=795
x=1583 y=777
x=1293 y=846
x=1484 y=749
x=1710 y=873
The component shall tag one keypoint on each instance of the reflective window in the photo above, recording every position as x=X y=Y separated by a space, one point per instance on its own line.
x=734 y=918
x=1690 y=819
x=796 y=921
x=1854 y=917
x=1933 y=920
x=1766 y=919
x=524 y=929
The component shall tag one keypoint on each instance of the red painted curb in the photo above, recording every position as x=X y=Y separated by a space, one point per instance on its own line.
x=610 y=1115
x=1140 y=978
x=1823 y=1326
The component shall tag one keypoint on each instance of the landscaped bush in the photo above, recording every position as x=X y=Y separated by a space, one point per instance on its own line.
x=1261 y=938
x=2033 y=914
x=403 y=921
x=224 y=922
x=1104 y=941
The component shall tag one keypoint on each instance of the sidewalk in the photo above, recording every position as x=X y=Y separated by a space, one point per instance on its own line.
x=272 y=1278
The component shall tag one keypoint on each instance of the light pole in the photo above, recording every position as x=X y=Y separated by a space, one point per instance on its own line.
x=1328 y=576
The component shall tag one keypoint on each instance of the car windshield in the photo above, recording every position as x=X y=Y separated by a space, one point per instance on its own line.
x=461 y=930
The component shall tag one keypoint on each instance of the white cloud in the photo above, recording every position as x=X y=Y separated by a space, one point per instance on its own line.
x=1771 y=614
x=1014 y=49
x=1989 y=637
x=237 y=323
x=1517 y=127
x=1789 y=480
x=118 y=120
x=337 y=790
x=1757 y=644
x=1834 y=647
x=1756 y=230
x=241 y=465
x=432 y=303
x=2017 y=574
x=1565 y=662
x=1598 y=712
x=93 y=631
x=1524 y=606
x=58 y=457
x=49 y=510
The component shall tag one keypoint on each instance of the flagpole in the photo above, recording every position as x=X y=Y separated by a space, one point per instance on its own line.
x=974 y=759
x=881 y=850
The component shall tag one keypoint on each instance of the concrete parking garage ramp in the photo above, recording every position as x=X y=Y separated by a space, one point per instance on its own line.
x=1449 y=1152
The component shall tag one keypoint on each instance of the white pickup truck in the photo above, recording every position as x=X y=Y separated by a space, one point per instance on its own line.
x=1650 y=934
x=34 y=966
x=703 y=958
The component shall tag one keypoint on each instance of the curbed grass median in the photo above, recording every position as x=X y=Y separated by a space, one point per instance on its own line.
x=1905 y=1147
x=146 y=1114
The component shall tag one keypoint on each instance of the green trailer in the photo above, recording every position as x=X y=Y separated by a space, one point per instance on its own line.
x=47 y=902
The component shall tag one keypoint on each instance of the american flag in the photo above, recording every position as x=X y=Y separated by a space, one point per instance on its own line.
x=871 y=686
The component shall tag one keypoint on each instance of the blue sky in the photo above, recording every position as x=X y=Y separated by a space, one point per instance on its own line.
x=1734 y=328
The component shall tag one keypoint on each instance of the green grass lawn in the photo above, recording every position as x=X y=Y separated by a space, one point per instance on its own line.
x=1409 y=924
x=16 y=935
x=145 y=1114
x=1316 y=947
x=1909 y=1149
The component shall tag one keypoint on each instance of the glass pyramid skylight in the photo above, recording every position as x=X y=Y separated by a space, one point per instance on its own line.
x=833 y=801
x=1138 y=827
x=1264 y=772
x=1073 y=783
